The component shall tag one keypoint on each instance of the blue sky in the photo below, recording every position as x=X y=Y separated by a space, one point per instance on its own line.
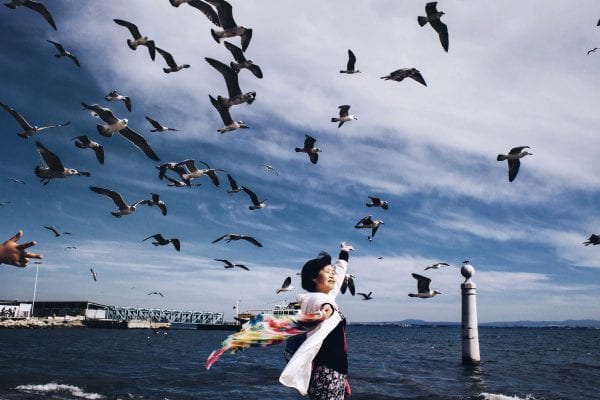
x=522 y=77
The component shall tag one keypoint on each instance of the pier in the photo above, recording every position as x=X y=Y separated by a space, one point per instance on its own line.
x=101 y=315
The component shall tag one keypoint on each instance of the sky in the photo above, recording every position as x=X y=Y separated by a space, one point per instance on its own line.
x=515 y=74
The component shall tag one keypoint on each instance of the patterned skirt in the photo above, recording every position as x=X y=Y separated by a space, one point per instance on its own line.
x=326 y=384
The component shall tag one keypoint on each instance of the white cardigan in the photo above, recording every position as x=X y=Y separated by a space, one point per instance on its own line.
x=297 y=372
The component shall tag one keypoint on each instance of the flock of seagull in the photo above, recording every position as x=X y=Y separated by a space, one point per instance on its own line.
x=183 y=173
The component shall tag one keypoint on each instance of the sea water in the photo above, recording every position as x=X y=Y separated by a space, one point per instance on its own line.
x=385 y=362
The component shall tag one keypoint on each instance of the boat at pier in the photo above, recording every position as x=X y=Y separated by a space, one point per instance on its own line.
x=278 y=310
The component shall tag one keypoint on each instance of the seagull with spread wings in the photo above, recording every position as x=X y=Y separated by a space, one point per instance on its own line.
x=114 y=124
x=241 y=61
x=368 y=223
x=173 y=66
x=233 y=86
x=123 y=207
x=286 y=286
x=158 y=127
x=235 y=236
x=230 y=124
x=28 y=130
x=350 y=68
x=35 y=6
x=159 y=240
x=138 y=39
x=309 y=148
x=256 y=204
x=377 y=202
x=514 y=163
x=230 y=28
x=345 y=116
x=115 y=96
x=433 y=17
x=84 y=142
x=229 y=264
x=54 y=168
x=399 y=75
x=62 y=52
x=424 y=292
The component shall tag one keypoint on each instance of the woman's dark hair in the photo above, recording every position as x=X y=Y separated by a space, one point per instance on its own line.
x=311 y=270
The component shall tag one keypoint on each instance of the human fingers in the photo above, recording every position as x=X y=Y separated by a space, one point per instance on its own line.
x=34 y=255
x=16 y=237
x=24 y=246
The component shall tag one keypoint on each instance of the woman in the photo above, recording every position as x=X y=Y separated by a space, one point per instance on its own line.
x=320 y=365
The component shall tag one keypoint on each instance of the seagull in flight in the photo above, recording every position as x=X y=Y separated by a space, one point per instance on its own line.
x=56 y=231
x=286 y=286
x=377 y=202
x=114 y=124
x=233 y=184
x=368 y=222
x=156 y=201
x=54 y=168
x=241 y=61
x=270 y=168
x=16 y=180
x=234 y=236
x=230 y=124
x=123 y=208
x=309 y=148
x=233 y=86
x=205 y=8
x=256 y=204
x=366 y=296
x=115 y=96
x=229 y=264
x=514 y=163
x=158 y=293
x=138 y=39
x=94 y=276
x=344 y=115
x=592 y=51
x=35 y=6
x=173 y=66
x=158 y=127
x=62 y=52
x=350 y=68
x=423 y=289
x=437 y=265
x=159 y=240
x=399 y=75
x=28 y=130
x=433 y=17
x=84 y=142
x=195 y=172
x=593 y=240
x=230 y=28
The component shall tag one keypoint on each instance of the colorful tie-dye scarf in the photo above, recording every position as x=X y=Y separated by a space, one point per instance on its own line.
x=266 y=330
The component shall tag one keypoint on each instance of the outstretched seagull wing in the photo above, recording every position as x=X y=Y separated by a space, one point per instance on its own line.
x=252 y=195
x=225 y=13
x=104 y=113
x=351 y=60
x=115 y=196
x=207 y=10
x=140 y=142
x=237 y=53
x=422 y=283
x=132 y=27
x=39 y=7
x=50 y=158
x=24 y=124
x=223 y=111
x=252 y=240
x=231 y=78
x=168 y=57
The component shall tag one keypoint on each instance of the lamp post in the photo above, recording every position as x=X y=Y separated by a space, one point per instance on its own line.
x=37 y=267
x=470 y=332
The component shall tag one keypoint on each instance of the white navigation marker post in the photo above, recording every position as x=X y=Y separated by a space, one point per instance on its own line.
x=470 y=333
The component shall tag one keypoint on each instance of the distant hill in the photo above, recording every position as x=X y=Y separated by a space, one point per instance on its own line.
x=570 y=323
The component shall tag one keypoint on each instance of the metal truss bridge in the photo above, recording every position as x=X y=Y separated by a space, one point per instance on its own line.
x=157 y=315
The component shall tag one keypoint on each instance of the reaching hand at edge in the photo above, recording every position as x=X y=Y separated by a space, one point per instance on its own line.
x=16 y=254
